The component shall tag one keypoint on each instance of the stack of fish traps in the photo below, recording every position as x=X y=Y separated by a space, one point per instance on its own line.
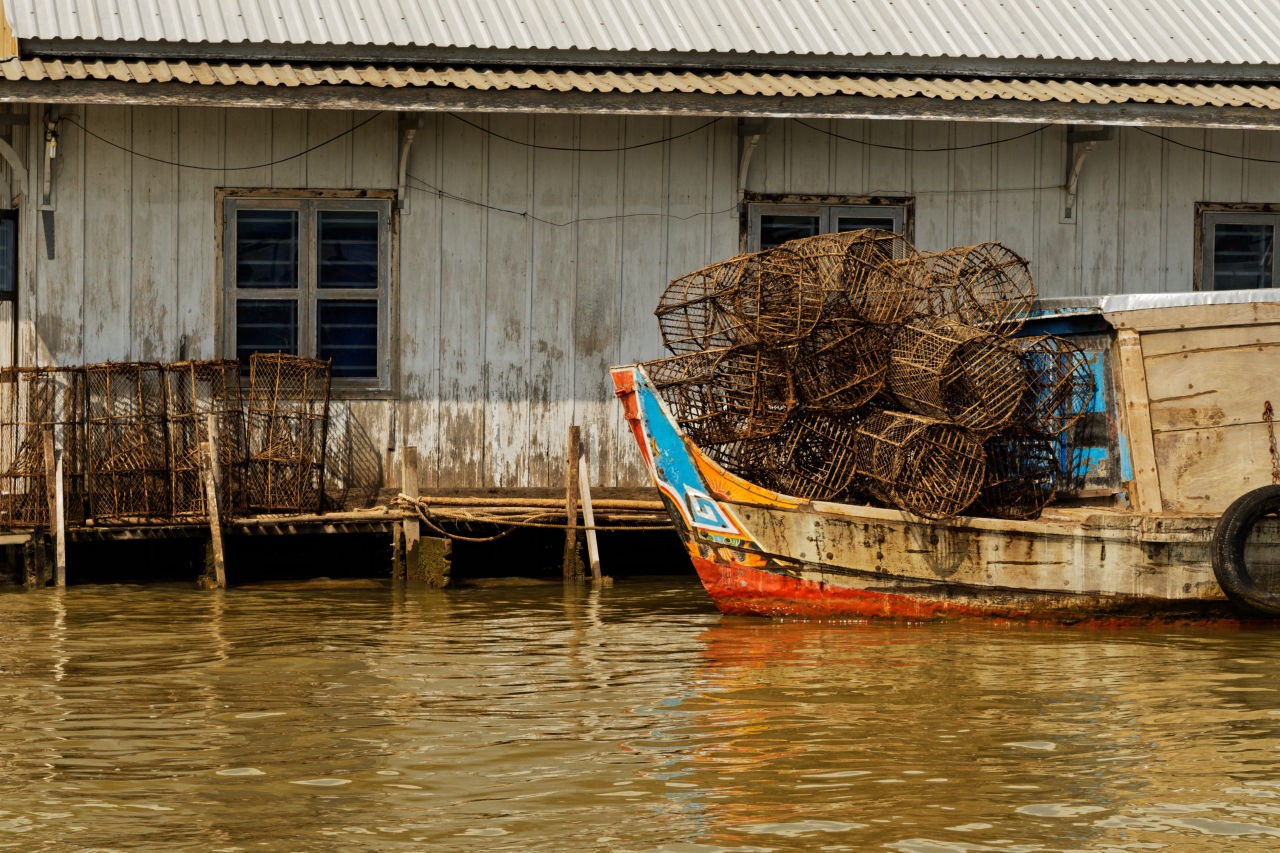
x=851 y=367
x=133 y=439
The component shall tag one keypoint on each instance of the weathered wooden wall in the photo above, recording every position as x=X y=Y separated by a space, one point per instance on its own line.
x=1134 y=228
x=533 y=249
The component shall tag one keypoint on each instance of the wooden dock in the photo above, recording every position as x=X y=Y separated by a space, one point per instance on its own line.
x=420 y=530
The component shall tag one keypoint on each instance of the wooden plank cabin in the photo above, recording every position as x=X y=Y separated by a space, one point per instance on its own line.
x=520 y=180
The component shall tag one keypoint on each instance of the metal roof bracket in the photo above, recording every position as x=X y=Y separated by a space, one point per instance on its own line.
x=1080 y=143
x=409 y=124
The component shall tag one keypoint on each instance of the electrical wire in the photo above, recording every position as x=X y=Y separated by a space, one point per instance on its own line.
x=71 y=121
x=422 y=186
x=886 y=146
x=1206 y=150
x=497 y=135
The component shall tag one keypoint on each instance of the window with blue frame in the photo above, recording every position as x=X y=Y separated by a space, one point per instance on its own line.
x=1237 y=246
x=310 y=276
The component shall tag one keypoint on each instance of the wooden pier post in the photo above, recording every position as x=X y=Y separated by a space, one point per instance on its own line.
x=209 y=473
x=57 y=530
x=59 y=524
x=408 y=565
x=588 y=516
x=572 y=561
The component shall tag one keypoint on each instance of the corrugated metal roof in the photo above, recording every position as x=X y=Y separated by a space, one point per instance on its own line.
x=1144 y=31
x=762 y=84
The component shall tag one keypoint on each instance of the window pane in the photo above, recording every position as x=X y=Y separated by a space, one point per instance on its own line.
x=266 y=248
x=8 y=256
x=778 y=228
x=1242 y=255
x=266 y=325
x=854 y=223
x=348 y=248
x=347 y=332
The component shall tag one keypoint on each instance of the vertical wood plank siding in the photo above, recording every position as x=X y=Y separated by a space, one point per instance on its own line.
x=532 y=249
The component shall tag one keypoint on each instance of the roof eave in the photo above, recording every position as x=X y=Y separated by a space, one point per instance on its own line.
x=667 y=103
x=939 y=66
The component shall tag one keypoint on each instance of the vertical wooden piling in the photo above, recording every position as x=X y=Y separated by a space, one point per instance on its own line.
x=588 y=516
x=208 y=472
x=412 y=529
x=54 y=548
x=572 y=562
x=59 y=524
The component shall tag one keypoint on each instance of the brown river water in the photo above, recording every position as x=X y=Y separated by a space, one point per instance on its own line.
x=633 y=718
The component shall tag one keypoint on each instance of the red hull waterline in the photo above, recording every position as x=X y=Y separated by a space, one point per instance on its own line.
x=746 y=591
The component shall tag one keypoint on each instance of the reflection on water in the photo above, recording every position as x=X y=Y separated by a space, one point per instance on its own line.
x=633 y=718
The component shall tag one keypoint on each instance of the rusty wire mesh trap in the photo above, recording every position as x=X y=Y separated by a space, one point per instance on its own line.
x=1022 y=475
x=817 y=455
x=692 y=313
x=929 y=467
x=983 y=285
x=725 y=395
x=287 y=418
x=198 y=391
x=126 y=435
x=775 y=300
x=35 y=401
x=1060 y=384
x=951 y=371
x=841 y=365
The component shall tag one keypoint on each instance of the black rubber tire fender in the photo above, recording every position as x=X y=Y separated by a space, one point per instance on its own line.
x=1229 y=537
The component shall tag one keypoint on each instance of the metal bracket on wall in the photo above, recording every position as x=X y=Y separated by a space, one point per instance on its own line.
x=1080 y=143
x=409 y=125
x=51 y=119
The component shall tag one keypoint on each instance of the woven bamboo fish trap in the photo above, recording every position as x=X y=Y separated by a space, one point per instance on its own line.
x=983 y=285
x=126 y=426
x=817 y=456
x=726 y=395
x=960 y=373
x=880 y=279
x=288 y=415
x=35 y=401
x=1022 y=475
x=1060 y=384
x=928 y=467
x=841 y=365
x=197 y=391
x=757 y=460
x=775 y=300
x=691 y=311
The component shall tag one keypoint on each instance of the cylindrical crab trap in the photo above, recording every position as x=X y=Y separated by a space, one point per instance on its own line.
x=841 y=365
x=1060 y=383
x=199 y=391
x=775 y=299
x=288 y=416
x=931 y=468
x=691 y=311
x=817 y=455
x=880 y=279
x=35 y=402
x=723 y=395
x=983 y=285
x=127 y=441
x=1022 y=475
x=756 y=460
x=950 y=371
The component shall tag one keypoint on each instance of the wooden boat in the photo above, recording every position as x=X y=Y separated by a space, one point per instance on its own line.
x=1170 y=520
